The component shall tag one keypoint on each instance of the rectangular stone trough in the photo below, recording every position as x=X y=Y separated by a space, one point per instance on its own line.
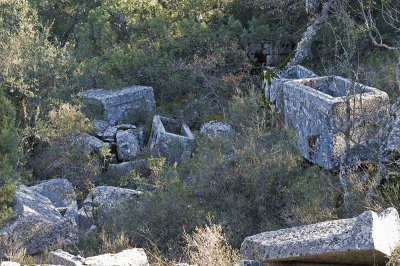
x=170 y=138
x=316 y=109
x=364 y=240
x=275 y=92
x=115 y=106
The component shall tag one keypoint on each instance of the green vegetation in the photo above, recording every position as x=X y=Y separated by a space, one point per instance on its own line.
x=197 y=56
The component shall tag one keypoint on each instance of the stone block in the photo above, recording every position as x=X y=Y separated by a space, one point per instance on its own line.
x=121 y=169
x=60 y=257
x=116 y=106
x=127 y=145
x=216 y=129
x=134 y=256
x=316 y=109
x=275 y=92
x=364 y=240
x=170 y=138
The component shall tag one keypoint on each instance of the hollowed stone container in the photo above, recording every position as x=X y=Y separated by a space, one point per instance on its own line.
x=321 y=110
x=170 y=138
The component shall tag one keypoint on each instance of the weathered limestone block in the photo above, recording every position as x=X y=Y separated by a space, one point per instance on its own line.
x=92 y=144
x=104 y=199
x=134 y=256
x=60 y=257
x=170 y=138
x=62 y=195
x=38 y=226
x=116 y=105
x=315 y=108
x=122 y=168
x=393 y=141
x=127 y=145
x=275 y=92
x=215 y=129
x=364 y=240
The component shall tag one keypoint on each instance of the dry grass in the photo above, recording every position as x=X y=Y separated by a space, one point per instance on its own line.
x=17 y=253
x=208 y=246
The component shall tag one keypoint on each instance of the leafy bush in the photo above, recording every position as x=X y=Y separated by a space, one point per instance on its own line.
x=8 y=158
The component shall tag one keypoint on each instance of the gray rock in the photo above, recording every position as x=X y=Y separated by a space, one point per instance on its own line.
x=134 y=256
x=315 y=109
x=116 y=105
x=109 y=134
x=364 y=240
x=9 y=263
x=105 y=199
x=393 y=141
x=122 y=168
x=38 y=226
x=60 y=257
x=100 y=126
x=275 y=92
x=215 y=129
x=61 y=194
x=92 y=144
x=170 y=138
x=125 y=127
x=127 y=145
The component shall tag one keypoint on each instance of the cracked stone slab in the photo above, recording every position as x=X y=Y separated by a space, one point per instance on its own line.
x=364 y=240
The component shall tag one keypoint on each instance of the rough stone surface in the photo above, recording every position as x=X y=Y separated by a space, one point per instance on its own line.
x=275 y=92
x=215 y=129
x=170 y=138
x=127 y=145
x=134 y=256
x=92 y=144
x=315 y=109
x=60 y=257
x=38 y=225
x=393 y=141
x=123 y=168
x=99 y=127
x=9 y=263
x=107 y=199
x=109 y=134
x=116 y=105
x=61 y=194
x=364 y=240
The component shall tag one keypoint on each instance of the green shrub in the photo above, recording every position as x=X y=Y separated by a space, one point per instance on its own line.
x=8 y=158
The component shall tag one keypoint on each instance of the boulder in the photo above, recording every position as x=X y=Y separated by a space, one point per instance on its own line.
x=364 y=240
x=134 y=256
x=121 y=169
x=215 y=129
x=38 y=225
x=115 y=106
x=170 y=138
x=393 y=141
x=62 y=195
x=109 y=134
x=60 y=257
x=127 y=145
x=92 y=144
x=106 y=199
x=99 y=127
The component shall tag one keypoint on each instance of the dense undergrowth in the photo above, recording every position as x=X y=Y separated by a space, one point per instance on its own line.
x=194 y=54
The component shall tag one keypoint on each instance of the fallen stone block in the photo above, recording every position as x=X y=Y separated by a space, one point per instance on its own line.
x=170 y=138
x=117 y=106
x=121 y=169
x=364 y=240
x=127 y=145
x=216 y=129
x=134 y=256
x=60 y=257
x=92 y=144
x=62 y=195
x=38 y=226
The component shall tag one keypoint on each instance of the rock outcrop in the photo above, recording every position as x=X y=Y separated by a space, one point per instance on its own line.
x=38 y=225
x=364 y=240
x=121 y=169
